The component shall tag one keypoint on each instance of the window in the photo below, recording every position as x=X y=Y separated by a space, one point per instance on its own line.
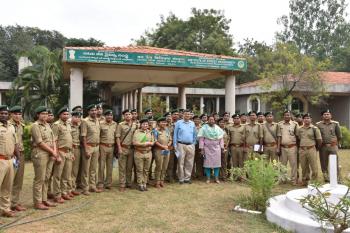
x=297 y=105
x=253 y=104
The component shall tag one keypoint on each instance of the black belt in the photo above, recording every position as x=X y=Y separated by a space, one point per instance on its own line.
x=185 y=143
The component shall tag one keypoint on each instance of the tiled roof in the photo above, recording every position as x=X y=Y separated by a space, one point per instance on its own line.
x=329 y=77
x=151 y=50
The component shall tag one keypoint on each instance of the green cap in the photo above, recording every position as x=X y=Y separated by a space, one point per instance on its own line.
x=107 y=112
x=78 y=106
x=91 y=106
x=40 y=109
x=144 y=120
x=16 y=109
x=63 y=109
x=161 y=119
x=148 y=110
x=4 y=108
x=76 y=113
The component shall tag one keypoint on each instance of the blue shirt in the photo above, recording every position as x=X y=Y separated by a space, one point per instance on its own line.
x=185 y=132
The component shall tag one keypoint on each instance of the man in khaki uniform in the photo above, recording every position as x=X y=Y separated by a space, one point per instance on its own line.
x=135 y=117
x=253 y=134
x=75 y=132
x=287 y=144
x=107 y=142
x=90 y=134
x=125 y=131
x=236 y=134
x=99 y=112
x=16 y=122
x=143 y=141
x=43 y=152
x=163 y=140
x=243 y=117
x=62 y=171
x=269 y=131
x=260 y=118
x=331 y=136
x=224 y=153
x=8 y=146
x=310 y=138
x=172 y=165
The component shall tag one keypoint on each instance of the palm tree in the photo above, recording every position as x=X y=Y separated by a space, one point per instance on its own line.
x=40 y=83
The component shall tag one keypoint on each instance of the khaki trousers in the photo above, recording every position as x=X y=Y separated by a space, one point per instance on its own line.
x=308 y=159
x=125 y=164
x=161 y=165
x=142 y=163
x=6 y=181
x=270 y=152
x=89 y=168
x=75 y=168
x=18 y=180
x=41 y=162
x=185 y=161
x=237 y=156
x=172 y=166
x=290 y=154
x=105 y=163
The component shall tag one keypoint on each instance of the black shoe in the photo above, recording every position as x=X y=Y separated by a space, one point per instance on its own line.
x=181 y=182
x=188 y=182
x=141 y=188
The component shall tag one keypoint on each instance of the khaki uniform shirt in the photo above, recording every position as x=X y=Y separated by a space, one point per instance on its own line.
x=62 y=131
x=330 y=131
x=19 y=129
x=268 y=137
x=287 y=132
x=253 y=134
x=8 y=140
x=101 y=118
x=42 y=133
x=90 y=128
x=108 y=132
x=236 y=134
x=308 y=135
x=125 y=133
x=142 y=137
x=75 y=131
x=164 y=136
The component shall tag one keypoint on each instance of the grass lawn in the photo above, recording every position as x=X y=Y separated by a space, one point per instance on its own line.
x=198 y=207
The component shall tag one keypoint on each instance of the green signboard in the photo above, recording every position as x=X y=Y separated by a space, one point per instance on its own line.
x=127 y=58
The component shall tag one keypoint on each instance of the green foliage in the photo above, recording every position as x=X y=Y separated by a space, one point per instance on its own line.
x=261 y=176
x=345 y=142
x=326 y=212
x=27 y=142
x=154 y=102
x=287 y=70
x=206 y=31
x=80 y=42
x=318 y=27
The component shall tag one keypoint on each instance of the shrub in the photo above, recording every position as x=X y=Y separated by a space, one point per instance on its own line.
x=345 y=142
x=261 y=176
x=27 y=142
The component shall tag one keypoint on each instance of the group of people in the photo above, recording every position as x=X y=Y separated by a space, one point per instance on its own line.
x=74 y=155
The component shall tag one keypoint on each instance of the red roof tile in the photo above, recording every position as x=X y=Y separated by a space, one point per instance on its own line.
x=152 y=50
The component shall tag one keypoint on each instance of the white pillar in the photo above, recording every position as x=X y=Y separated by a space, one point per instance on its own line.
x=182 y=97
x=76 y=87
x=131 y=100
x=333 y=167
x=134 y=97
x=230 y=94
x=149 y=101
x=201 y=105
x=123 y=102
x=127 y=101
x=217 y=104
x=167 y=102
x=139 y=100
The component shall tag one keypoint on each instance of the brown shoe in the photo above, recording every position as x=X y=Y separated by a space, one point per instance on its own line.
x=122 y=189
x=161 y=184
x=86 y=193
x=70 y=195
x=157 y=185
x=66 y=197
x=108 y=187
x=58 y=200
x=49 y=204
x=40 y=206
x=75 y=193
x=50 y=196
x=18 y=207
x=99 y=190
x=8 y=214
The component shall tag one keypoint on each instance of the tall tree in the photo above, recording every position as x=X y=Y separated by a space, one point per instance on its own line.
x=205 y=31
x=316 y=26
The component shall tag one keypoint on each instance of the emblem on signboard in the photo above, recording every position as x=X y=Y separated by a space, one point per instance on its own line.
x=240 y=64
x=71 y=54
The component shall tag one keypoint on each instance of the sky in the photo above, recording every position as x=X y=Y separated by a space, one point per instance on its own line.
x=117 y=22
